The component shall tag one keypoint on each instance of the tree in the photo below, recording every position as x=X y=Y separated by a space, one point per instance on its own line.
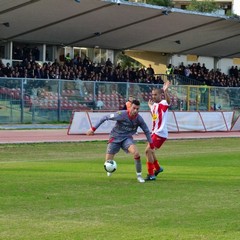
x=127 y=61
x=202 y=6
x=165 y=3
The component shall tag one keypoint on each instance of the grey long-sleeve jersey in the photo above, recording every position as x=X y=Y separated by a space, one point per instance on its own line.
x=125 y=125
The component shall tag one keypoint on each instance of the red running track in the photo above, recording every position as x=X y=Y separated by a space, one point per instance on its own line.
x=60 y=135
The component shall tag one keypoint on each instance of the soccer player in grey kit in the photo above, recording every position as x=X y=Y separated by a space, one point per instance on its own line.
x=121 y=136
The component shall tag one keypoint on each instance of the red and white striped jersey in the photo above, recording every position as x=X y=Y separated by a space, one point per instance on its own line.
x=159 y=118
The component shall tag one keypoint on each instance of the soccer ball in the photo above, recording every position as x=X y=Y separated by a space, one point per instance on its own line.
x=110 y=166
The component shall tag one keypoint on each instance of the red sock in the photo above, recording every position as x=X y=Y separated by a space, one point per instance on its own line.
x=156 y=164
x=150 y=168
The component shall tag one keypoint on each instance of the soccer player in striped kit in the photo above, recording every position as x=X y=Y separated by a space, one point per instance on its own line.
x=159 y=111
x=121 y=136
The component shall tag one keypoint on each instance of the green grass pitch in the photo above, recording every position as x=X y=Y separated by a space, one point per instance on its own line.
x=61 y=191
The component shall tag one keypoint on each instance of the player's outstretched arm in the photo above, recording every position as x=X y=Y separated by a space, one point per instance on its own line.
x=166 y=85
x=165 y=89
x=100 y=122
x=90 y=132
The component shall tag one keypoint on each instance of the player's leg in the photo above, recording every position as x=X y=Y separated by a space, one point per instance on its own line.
x=112 y=149
x=132 y=148
x=158 y=142
x=134 y=151
x=150 y=163
x=109 y=157
x=158 y=168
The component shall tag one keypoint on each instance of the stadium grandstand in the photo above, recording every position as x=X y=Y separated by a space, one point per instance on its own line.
x=45 y=77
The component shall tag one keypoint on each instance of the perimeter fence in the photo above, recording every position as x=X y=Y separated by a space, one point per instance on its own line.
x=53 y=100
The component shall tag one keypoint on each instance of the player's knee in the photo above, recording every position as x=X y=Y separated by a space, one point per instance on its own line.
x=147 y=150
x=136 y=155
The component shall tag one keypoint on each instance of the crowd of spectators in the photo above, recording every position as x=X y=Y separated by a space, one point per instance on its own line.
x=84 y=69
x=20 y=53
x=78 y=68
x=200 y=73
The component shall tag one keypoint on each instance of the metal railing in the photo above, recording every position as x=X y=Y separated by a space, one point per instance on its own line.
x=53 y=100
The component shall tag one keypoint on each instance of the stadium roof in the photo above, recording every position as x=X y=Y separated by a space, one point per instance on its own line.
x=123 y=26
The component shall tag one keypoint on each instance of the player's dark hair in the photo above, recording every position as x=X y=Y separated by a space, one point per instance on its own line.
x=136 y=102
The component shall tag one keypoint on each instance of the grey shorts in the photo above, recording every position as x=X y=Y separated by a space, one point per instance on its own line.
x=114 y=147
